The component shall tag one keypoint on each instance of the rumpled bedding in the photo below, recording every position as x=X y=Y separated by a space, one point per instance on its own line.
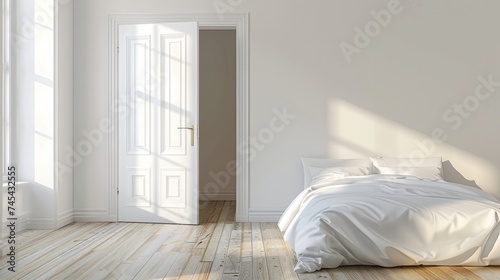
x=392 y=220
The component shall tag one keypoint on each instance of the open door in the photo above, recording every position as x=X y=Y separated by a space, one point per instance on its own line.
x=158 y=143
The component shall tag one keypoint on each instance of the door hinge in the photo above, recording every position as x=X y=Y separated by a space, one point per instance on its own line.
x=118 y=49
x=117 y=191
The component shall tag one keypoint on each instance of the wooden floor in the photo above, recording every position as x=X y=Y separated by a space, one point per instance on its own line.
x=218 y=248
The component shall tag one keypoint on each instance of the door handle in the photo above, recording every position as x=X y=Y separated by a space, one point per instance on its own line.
x=192 y=133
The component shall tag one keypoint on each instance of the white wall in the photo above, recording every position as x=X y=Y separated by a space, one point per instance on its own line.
x=217 y=113
x=391 y=96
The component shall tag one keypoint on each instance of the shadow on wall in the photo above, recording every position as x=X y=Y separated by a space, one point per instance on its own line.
x=451 y=174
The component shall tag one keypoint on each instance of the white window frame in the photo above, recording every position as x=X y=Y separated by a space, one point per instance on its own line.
x=5 y=88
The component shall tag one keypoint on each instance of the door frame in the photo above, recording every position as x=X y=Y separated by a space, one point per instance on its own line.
x=238 y=22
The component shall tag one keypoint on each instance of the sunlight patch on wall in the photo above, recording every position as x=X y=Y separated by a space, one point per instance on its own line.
x=44 y=95
x=357 y=132
x=43 y=134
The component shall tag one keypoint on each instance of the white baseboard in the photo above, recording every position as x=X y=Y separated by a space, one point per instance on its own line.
x=218 y=197
x=65 y=218
x=40 y=223
x=92 y=215
x=99 y=219
x=264 y=215
x=21 y=224
x=242 y=218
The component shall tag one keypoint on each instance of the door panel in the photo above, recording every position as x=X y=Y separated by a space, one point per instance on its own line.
x=139 y=116
x=173 y=139
x=158 y=155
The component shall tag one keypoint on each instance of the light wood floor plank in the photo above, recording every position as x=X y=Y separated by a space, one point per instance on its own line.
x=232 y=212
x=177 y=267
x=246 y=269
x=429 y=272
x=286 y=259
x=84 y=267
x=208 y=229
x=209 y=254
x=216 y=249
x=32 y=240
x=377 y=273
x=351 y=273
x=109 y=267
x=453 y=273
x=67 y=257
x=217 y=269
x=156 y=267
x=214 y=215
x=40 y=258
x=230 y=277
x=202 y=271
x=260 y=270
x=190 y=268
x=233 y=257
x=196 y=231
x=272 y=253
x=141 y=257
x=32 y=251
x=486 y=273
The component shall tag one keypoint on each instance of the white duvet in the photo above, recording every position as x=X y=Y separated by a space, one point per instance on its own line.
x=391 y=220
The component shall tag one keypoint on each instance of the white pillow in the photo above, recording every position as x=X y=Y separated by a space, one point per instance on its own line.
x=423 y=168
x=323 y=162
x=325 y=175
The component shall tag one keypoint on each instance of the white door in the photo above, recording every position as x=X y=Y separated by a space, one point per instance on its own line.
x=158 y=149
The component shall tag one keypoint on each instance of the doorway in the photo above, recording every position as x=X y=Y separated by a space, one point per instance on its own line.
x=237 y=22
x=217 y=115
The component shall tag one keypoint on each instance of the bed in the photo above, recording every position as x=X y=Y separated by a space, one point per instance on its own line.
x=389 y=212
